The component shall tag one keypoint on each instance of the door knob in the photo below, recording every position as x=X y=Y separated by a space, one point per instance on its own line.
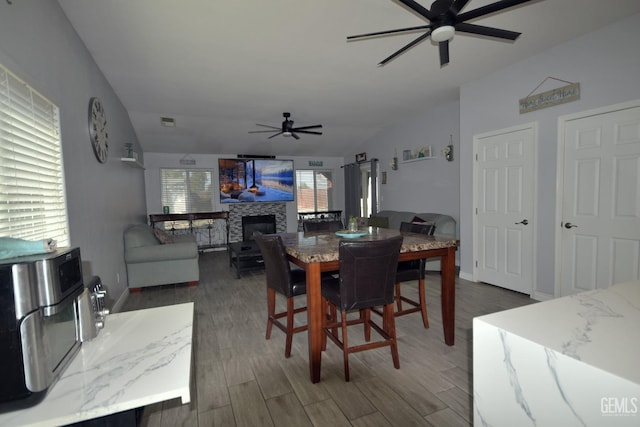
x=569 y=225
x=523 y=222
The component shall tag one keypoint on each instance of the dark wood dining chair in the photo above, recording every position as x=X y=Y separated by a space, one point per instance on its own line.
x=411 y=271
x=330 y=225
x=281 y=279
x=366 y=280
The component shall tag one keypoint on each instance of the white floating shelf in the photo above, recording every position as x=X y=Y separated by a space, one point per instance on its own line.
x=417 y=159
x=131 y=162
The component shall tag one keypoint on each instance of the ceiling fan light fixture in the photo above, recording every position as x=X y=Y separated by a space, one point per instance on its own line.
x=287 y=129
x=444 y=19
x=444 y=33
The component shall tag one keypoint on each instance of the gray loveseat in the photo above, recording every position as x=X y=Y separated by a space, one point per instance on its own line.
x=151 y=262
x=445 y=226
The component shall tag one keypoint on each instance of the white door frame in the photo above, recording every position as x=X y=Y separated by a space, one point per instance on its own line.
x=533 y=222
x=562 y=120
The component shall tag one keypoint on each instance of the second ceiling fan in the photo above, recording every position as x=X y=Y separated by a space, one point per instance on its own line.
x=444 y=20
x=287 y=128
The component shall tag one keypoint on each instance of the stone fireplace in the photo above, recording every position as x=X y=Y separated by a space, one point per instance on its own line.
x=239 y=210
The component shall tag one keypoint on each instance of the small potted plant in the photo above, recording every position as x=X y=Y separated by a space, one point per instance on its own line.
x=424 y=151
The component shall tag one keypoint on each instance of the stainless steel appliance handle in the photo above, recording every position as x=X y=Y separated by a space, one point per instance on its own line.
x=51 y=310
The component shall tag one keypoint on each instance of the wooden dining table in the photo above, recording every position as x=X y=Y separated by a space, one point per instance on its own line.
x=317 y=252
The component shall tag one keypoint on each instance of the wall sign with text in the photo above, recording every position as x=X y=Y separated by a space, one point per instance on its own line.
x=561 y=95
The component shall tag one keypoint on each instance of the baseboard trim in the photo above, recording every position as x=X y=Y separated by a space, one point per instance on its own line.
x=541 y=296
x=466 y=276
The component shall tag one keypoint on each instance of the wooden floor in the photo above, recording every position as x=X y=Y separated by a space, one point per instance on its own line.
x=241 y=379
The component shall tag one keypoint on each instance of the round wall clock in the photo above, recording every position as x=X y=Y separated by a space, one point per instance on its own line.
x=98 y=130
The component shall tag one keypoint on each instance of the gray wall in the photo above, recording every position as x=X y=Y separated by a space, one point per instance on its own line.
x=41 y=47
x=426 y=186
x=431 y=185
x=606 y=62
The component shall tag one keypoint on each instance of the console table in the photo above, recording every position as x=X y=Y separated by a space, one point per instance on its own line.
x=198 y=223
x=320 y=215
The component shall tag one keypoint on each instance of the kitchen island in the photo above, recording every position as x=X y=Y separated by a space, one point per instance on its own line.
x=139 y=358
x=571 y=361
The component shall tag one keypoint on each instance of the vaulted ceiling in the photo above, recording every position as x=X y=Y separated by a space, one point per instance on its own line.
x=219 y=67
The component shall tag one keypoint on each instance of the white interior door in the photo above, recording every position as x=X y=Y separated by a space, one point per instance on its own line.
x=504 y=221
x=600 y=198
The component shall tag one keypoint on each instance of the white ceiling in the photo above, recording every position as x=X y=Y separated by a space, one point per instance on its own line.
x=221 y=66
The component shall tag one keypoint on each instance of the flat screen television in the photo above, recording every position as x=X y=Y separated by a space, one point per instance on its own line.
x=255 y=180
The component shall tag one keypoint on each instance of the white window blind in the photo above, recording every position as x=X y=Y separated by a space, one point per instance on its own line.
x=32 y=194
x=186 y=190
x=314 y=190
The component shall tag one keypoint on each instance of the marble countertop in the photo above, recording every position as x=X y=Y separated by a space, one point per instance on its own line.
x=322 y=246
x=139 y=358
x=600 y=328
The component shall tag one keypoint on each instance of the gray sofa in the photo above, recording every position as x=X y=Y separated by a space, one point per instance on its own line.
x=445 y=226
x=151 y=262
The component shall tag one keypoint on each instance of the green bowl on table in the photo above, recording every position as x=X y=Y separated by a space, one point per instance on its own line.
x=351 y=234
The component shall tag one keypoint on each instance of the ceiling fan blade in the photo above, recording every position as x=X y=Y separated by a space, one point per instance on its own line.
x=262 y=131
x=416 y=7
x=487 y=31
x=404 y=49
x=490 y=8
x=275 y=134
x=458 y=5
x=308 y=131
x=444 y=52
x=294 y=135
x=268 y=126
x=307 y=127
x=380 y=33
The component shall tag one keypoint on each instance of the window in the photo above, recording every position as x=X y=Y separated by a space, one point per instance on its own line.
x=368 y=188
x=32 y=196
x=314 y=190
x=186 y=190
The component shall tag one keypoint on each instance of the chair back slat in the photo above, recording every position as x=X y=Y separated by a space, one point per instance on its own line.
x=368 y=272
x=276 y=263
x=426 y=228
x=413 y=270
x=332 y=225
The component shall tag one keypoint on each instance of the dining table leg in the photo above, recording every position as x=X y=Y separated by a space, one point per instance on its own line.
x=448 y=297
x=314 y=320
